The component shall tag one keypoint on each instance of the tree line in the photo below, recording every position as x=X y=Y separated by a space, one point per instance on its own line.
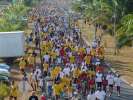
x=116 y=16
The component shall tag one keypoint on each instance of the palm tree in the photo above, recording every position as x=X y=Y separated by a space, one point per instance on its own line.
x=109 y=13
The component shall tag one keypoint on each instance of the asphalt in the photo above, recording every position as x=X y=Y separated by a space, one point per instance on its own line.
x=126 y=93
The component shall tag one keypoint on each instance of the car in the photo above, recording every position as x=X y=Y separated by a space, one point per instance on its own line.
x=4 y=66
x=4 y=72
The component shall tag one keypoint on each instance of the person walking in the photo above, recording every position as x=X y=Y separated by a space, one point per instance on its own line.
x=100 y=94
x=110 y=78
x=117 y=82
x=104 y=84
x=99 y=76
x=91 y=96
x=13 y=91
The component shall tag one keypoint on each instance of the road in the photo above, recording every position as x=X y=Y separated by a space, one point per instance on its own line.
x=126 y=93
x=126 y=90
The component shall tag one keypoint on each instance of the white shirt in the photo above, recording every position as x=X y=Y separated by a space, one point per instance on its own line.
x=99 y=77
x=38 y=70
x=61 y=74
x=46 y=58
x=57 y=51
x=38 y=73
x=69 y=54
x=91 y=97
x=94 y=44
x=117 y=81
x=100 y=95
x=88 y=50
x=110 y=79
x=57 y=28
x=34 y=76
x=45 y=29
x=59 y=60
x=66 y=71
x=83 y=68
x=41 y=82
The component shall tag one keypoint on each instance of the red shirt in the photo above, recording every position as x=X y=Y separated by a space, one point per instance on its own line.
x=65 y=60
x=43 y=98
x=104 y=82
x=83 y=76
x=62 y=52
x=99 y=68
x=91 y=82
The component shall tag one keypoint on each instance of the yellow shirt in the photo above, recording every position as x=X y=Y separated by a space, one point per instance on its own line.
x=14 y=91
x=72 y=59
x=82 y=50
x=91 y=73
x=72 y=48
x=76 y=73
x=58 y=69
x=45 y=66
x=93 y=52
x=65 y=81
x=22 y=64
x=31 y=60
x=56 y=89
x=48 y=44
x=53 y=74
x=87 y=59
x=53 y=55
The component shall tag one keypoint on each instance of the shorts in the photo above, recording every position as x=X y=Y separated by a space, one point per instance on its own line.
x=110 y=86
x=118 y=88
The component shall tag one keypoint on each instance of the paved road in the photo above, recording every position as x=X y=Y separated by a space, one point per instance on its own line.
x=126 y=93
x=126 y=90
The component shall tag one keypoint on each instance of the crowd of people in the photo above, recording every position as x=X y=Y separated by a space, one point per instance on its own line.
x=69 y=69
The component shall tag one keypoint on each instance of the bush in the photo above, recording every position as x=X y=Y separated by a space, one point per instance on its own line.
x=4 y=91
x=12 y=18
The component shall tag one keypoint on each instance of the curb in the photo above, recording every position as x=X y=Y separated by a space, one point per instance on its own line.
x=112 y=69
x=123 y=79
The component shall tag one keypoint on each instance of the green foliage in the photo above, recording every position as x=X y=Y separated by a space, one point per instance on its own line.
x=31 y=2
x=103 y=11
x=76 y=6
x=125 y=31
x=12 y=19
x=4 y=91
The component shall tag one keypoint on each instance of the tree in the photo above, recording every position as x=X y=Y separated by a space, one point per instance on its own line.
x=4 y=91
x=12 y=18
x=125 y=31
x=109 y=13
